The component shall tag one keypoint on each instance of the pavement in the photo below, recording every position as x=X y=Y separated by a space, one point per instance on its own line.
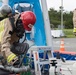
x=69 y=44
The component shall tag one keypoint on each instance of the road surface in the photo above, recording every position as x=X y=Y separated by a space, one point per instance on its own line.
x=69 y=44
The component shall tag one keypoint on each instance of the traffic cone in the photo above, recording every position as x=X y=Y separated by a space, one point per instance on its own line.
x=62 y=45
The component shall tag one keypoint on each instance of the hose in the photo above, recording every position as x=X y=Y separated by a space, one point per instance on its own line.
x=14 y=69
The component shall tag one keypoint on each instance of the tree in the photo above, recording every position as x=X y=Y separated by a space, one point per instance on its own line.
x=55 y=18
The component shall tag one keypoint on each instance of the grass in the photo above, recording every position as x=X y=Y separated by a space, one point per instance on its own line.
x=69 y=33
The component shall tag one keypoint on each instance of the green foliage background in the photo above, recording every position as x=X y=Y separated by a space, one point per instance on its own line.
x=55 y=18
x=69 y=33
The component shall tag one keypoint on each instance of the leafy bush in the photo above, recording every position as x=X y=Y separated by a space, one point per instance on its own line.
x=69 y=33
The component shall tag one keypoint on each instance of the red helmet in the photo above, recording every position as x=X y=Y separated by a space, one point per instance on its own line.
x=28 y=19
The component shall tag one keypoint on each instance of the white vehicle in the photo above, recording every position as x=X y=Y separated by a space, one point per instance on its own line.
x=57 y=33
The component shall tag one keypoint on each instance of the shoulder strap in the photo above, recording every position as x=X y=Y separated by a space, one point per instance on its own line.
x=12 y=24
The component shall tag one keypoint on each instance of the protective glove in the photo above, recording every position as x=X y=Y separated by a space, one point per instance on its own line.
x=19 y=48
x=74 y=31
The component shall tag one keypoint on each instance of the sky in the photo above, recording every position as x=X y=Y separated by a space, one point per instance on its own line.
x=68 y=5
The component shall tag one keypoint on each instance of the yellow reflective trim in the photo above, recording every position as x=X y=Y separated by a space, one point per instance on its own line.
x=2 y=25
x=1 y=28
x=11 y=57
x=74 y=30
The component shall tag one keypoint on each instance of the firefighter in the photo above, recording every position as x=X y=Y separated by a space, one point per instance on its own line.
x=11 y=30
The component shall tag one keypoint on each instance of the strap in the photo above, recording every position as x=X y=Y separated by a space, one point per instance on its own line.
x=12 y=24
